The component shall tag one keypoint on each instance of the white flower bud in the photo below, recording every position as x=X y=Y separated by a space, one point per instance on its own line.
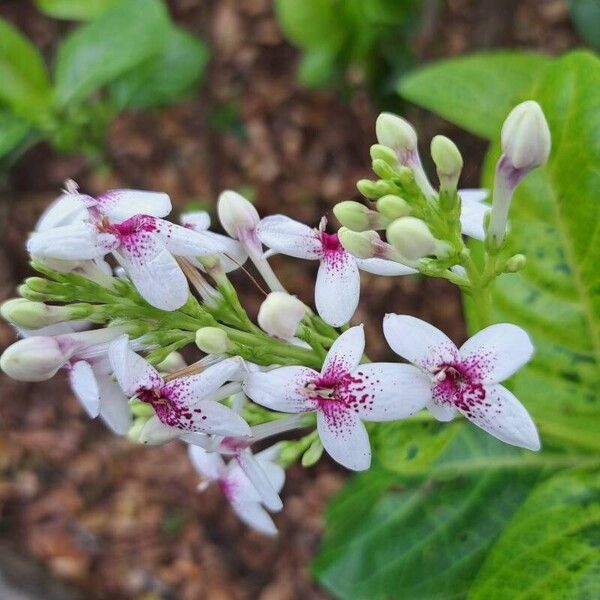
x=360 y=244
x=526 y=136
x=280 y=314
x=152 y=431
x=352 y=215
x=395 y=132
x=212 y=340
x=393 y=207
x=35 y=358
x=411 y=238
x=33 y=315
x=448 y=161
x=236 y=214
x=173 y=362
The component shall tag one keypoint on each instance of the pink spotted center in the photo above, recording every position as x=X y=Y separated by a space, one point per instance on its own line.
x=457 y=384
x=130 y=227
x=170 y=409
x=334 y=253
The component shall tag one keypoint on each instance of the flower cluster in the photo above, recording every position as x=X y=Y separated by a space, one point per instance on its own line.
x=121 y=290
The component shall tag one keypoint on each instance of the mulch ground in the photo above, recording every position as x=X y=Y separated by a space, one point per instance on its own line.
x=119 y=521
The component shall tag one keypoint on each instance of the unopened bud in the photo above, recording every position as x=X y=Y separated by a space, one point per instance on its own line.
x=360 y=244
x=352 y=215
x=515 y=263
x=411 y=238
x=383 y=169
x=396 y=133
x=526 y=136
x=35 y=315
x=368 y=188
x=236 y=213
x=379 y=152
x=393 y=207
x=152 y=431
x=448 y=161
x=212 y=340
x=35 y=358
x=280 y=314
x=173 y=362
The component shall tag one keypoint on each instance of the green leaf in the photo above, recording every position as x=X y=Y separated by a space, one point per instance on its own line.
x=586 y=16
x=312 y=24
x=387 y=538
x=551 y=547
x=121 y=39
x=74 y=10
x=12 y=131
x=165 y=77
x=475 y=91
x=24 y=84
x=555 y=218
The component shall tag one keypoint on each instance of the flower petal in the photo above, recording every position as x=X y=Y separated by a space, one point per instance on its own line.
x=502 y=415
x=79 y=241
x=209 y=465
x=337 y=289
x=151 y=266
x=194 y=388
x=84 y=386
x=442 y=411
x=258 y=477
x=287 y=236
x=496 y=352
x=275 y=473
x=182 y=241
x=65 y=210
x=131 y=370
x=345 y=353
x=198 y=220
x=472 y=212
x=386 y=391
x=344 y=436
x=209 y=417
x=119 y=205
x=282 y=389
x=418 y=342
x=114 y=405
x=382 y=266
x=254 y=515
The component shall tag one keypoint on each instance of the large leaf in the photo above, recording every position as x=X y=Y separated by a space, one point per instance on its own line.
x=586 y=16
x=389 y=538
x=12 y=131
x=75 y=10
x=166 y=77
x=555 y=219
x=24 y=84
x=475 y=91
x=551 y=547
x=121 y=39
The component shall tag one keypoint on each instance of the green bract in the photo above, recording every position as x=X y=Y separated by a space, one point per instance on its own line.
x=447 y=513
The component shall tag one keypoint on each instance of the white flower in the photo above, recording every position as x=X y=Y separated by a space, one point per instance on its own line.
x=338 y=282
x=467 y=379
x=143 y=245
x=184 y=403
x=241 y=493
x=233 y=255
x=342 y=394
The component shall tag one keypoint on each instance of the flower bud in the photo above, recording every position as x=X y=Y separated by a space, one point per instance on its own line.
x=379 y=152
x=35 y=315
x=280 y=314
x=411 y=238
x=383 y=169
x=352 y=215
x=515 y=263
x=393 y=207
x=448 y=161
x=359 y=244
x=526 y=136
x=152 y=431
x=368 y=188
x=173 y=362
x=395 y=132
x=35 y=358
x=236 y=213
x=212 y=340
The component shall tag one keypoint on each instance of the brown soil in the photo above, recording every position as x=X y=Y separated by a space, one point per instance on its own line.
x=120 y=521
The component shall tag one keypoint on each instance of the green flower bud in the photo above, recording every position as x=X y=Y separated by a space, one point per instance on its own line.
x=515 y=263
x=312 y=454
x=395 y=132
x=352 y=215
x=360 y=244
x=393 y=207
x=379 y=152
x=411 y=238
x=382 y=169
x=212 y=340
x=368 y=188
x=448 y=161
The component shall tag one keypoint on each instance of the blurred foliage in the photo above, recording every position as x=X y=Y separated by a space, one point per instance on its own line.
x=129 y=55
x=336 y=36
x=586 y=17
x=450 y=512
